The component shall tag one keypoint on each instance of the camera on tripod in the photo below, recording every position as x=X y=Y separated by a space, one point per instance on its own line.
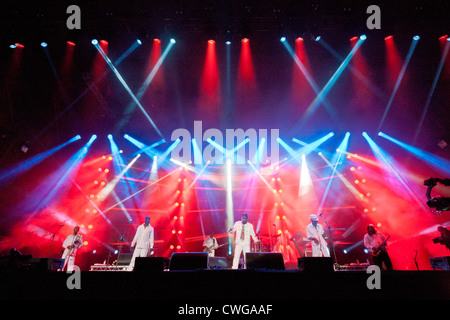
x=437 y=204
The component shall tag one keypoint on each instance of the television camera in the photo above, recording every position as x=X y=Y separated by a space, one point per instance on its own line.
x=437 y=204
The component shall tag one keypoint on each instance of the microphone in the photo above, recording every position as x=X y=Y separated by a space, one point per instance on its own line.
x=320 y=214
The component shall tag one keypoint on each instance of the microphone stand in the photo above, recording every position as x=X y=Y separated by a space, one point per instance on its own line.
x=331 y=234
x=120 y=246
x=415 y=260
x=120 y=249
x=109 y=256
x=53 y=238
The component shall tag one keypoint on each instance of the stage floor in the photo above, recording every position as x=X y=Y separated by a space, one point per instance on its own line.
x=223 y=285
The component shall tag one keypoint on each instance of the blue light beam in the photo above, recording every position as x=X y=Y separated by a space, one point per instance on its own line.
x=14 y=171
x=127 y=88
x=329 y=85
x=433 y=86
x=399 y=80
x=439 y=163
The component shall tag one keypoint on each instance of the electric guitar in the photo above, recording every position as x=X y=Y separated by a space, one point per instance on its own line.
x=377 y=250
x=209 y=250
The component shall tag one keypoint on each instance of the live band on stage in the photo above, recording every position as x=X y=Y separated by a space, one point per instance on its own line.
x=317 y=238
x=316 y=242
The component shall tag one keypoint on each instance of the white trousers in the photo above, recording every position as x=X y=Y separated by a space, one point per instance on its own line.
x=69 y=262
x=240 y=247
x=138 y=252
x=319 y=250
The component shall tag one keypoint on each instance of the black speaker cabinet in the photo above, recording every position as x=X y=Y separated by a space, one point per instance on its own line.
x=218 y=262
x=46 y=264
x=189 y=261
x=124 y=259
x=264 y=260
x=151 y=264
x=315 y=264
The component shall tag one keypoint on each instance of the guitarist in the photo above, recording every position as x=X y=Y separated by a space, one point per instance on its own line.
x=210 y=245
x=377 y=244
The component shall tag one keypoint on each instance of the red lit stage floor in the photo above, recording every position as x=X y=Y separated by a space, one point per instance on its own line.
x=224 y=285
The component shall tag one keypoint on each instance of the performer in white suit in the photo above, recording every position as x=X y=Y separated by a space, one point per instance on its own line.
x=314 y=232
x=72 y=243
x=243 y=231
x=143 y=240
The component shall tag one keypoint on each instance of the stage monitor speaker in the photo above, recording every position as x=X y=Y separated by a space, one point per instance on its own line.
x=264 y=260
x=151 y=264
x=189 y=261
x=315 y=264
x=124 y=259
x=218 y=262
x=46 y=264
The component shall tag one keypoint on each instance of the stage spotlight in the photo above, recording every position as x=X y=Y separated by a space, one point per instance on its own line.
x=228 y=43
x=245 y=40
x=211 y=42
x=43 y=44
x=299 y=39
x=13 y=46
x=416 y=38
x=317 y=38
x=172 y=40
x=94 y=41
x=283 y=39
x=139 y=41
x=70 y=43
x=389 y=38
x=363 y=37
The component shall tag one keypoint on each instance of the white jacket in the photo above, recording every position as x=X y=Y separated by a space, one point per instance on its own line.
x=144 y=237
x=70 y=241
x=316 y=232
x=248 y=232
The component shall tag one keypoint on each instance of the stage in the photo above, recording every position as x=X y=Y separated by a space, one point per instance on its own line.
x=224 y=285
